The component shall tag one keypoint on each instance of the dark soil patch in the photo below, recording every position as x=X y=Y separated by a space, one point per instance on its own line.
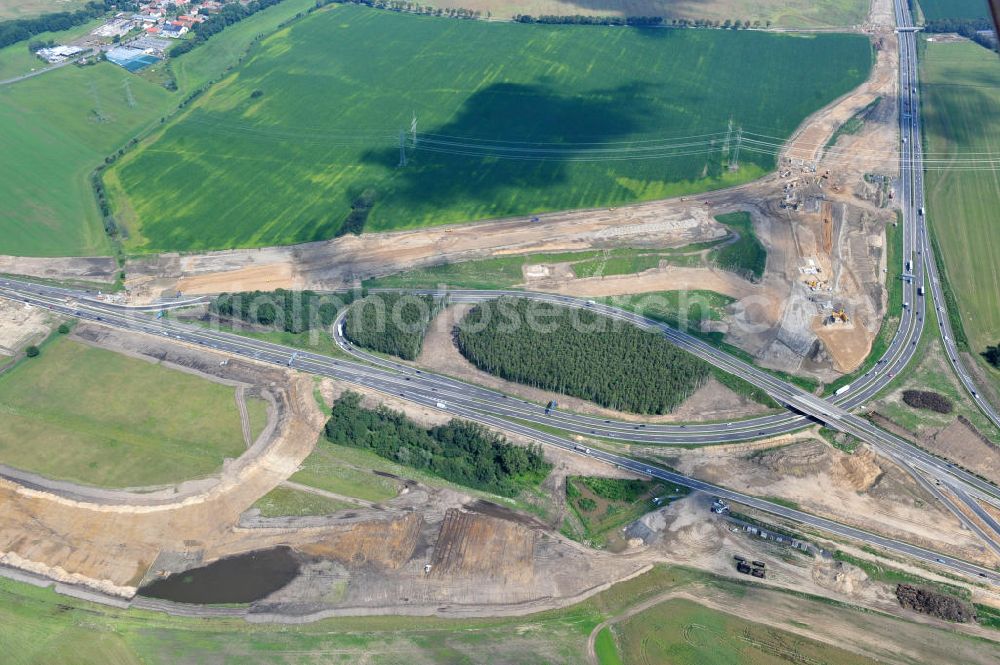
x=925 y=399
x=935 y=604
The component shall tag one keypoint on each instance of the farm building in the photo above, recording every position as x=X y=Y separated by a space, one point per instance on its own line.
x=58 y=53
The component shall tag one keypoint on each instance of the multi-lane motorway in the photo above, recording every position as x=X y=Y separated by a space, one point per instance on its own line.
x=431 y=389
x=912 y=161
x=494 y=408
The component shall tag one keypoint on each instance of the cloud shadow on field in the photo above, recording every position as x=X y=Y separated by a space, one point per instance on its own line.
x=510 y=115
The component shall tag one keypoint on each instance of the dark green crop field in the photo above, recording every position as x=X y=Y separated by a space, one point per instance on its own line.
x=938 y=9
x=511 y=119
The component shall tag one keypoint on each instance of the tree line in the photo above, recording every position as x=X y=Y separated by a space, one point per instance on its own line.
x=970 y=28
x=409 y=7
x=579 y=353
x=230 y=13
x=641 y=21
x=460 y=451
x=17 y=30
x=290 y=311
x=393 y=323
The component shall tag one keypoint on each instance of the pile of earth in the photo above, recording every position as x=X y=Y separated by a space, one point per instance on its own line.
x=935 y=604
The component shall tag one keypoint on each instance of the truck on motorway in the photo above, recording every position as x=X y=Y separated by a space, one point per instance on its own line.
x=582 y=449
x=550 y=407
x=841 y=390
x=441 y=405
x=909 y=266
x=920 y=290
x=921 y=211
x=340 y=329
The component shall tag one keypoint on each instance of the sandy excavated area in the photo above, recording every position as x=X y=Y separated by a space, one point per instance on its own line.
x=22 y=324
x=860 y=489
x=808 y=143
x=713 y=401
x=110 y=543
x=111 y=540
x=94 y=269
x=339 y=262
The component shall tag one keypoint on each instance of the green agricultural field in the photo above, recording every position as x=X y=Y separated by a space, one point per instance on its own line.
x=93 y=416
x=279 y=151
x=961 y=84
x=681 y=632
x=11 y=9
x=54 y=129
x=938 y=9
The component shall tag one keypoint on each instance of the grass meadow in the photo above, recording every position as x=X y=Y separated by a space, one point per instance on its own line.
x=681 y=632
x=961 y=108
x=39 y=626
x=278 y=152
x=101 y=418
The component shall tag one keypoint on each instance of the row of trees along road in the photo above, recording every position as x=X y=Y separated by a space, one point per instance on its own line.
x=460 y=451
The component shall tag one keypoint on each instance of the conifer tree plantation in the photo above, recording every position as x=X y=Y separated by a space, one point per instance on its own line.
x=393 y=323
x=580 y=353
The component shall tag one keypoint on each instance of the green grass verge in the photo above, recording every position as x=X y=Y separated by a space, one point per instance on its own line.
x=288 y=502
x=605 y=648
x=298 y=155
x=101 y=418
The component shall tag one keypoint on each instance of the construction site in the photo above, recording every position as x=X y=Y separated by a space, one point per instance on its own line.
x=388 y=539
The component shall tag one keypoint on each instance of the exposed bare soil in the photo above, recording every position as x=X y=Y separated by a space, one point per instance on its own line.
x=94 y=269
x=21 y=324
x=860 y=489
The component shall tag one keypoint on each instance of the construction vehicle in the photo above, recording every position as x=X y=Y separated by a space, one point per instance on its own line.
x=840 y=315
x=719 y=506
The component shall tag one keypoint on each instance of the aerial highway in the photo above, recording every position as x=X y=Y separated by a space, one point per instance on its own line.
x=517 y=415
x=70 y=303
x=912 y=160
